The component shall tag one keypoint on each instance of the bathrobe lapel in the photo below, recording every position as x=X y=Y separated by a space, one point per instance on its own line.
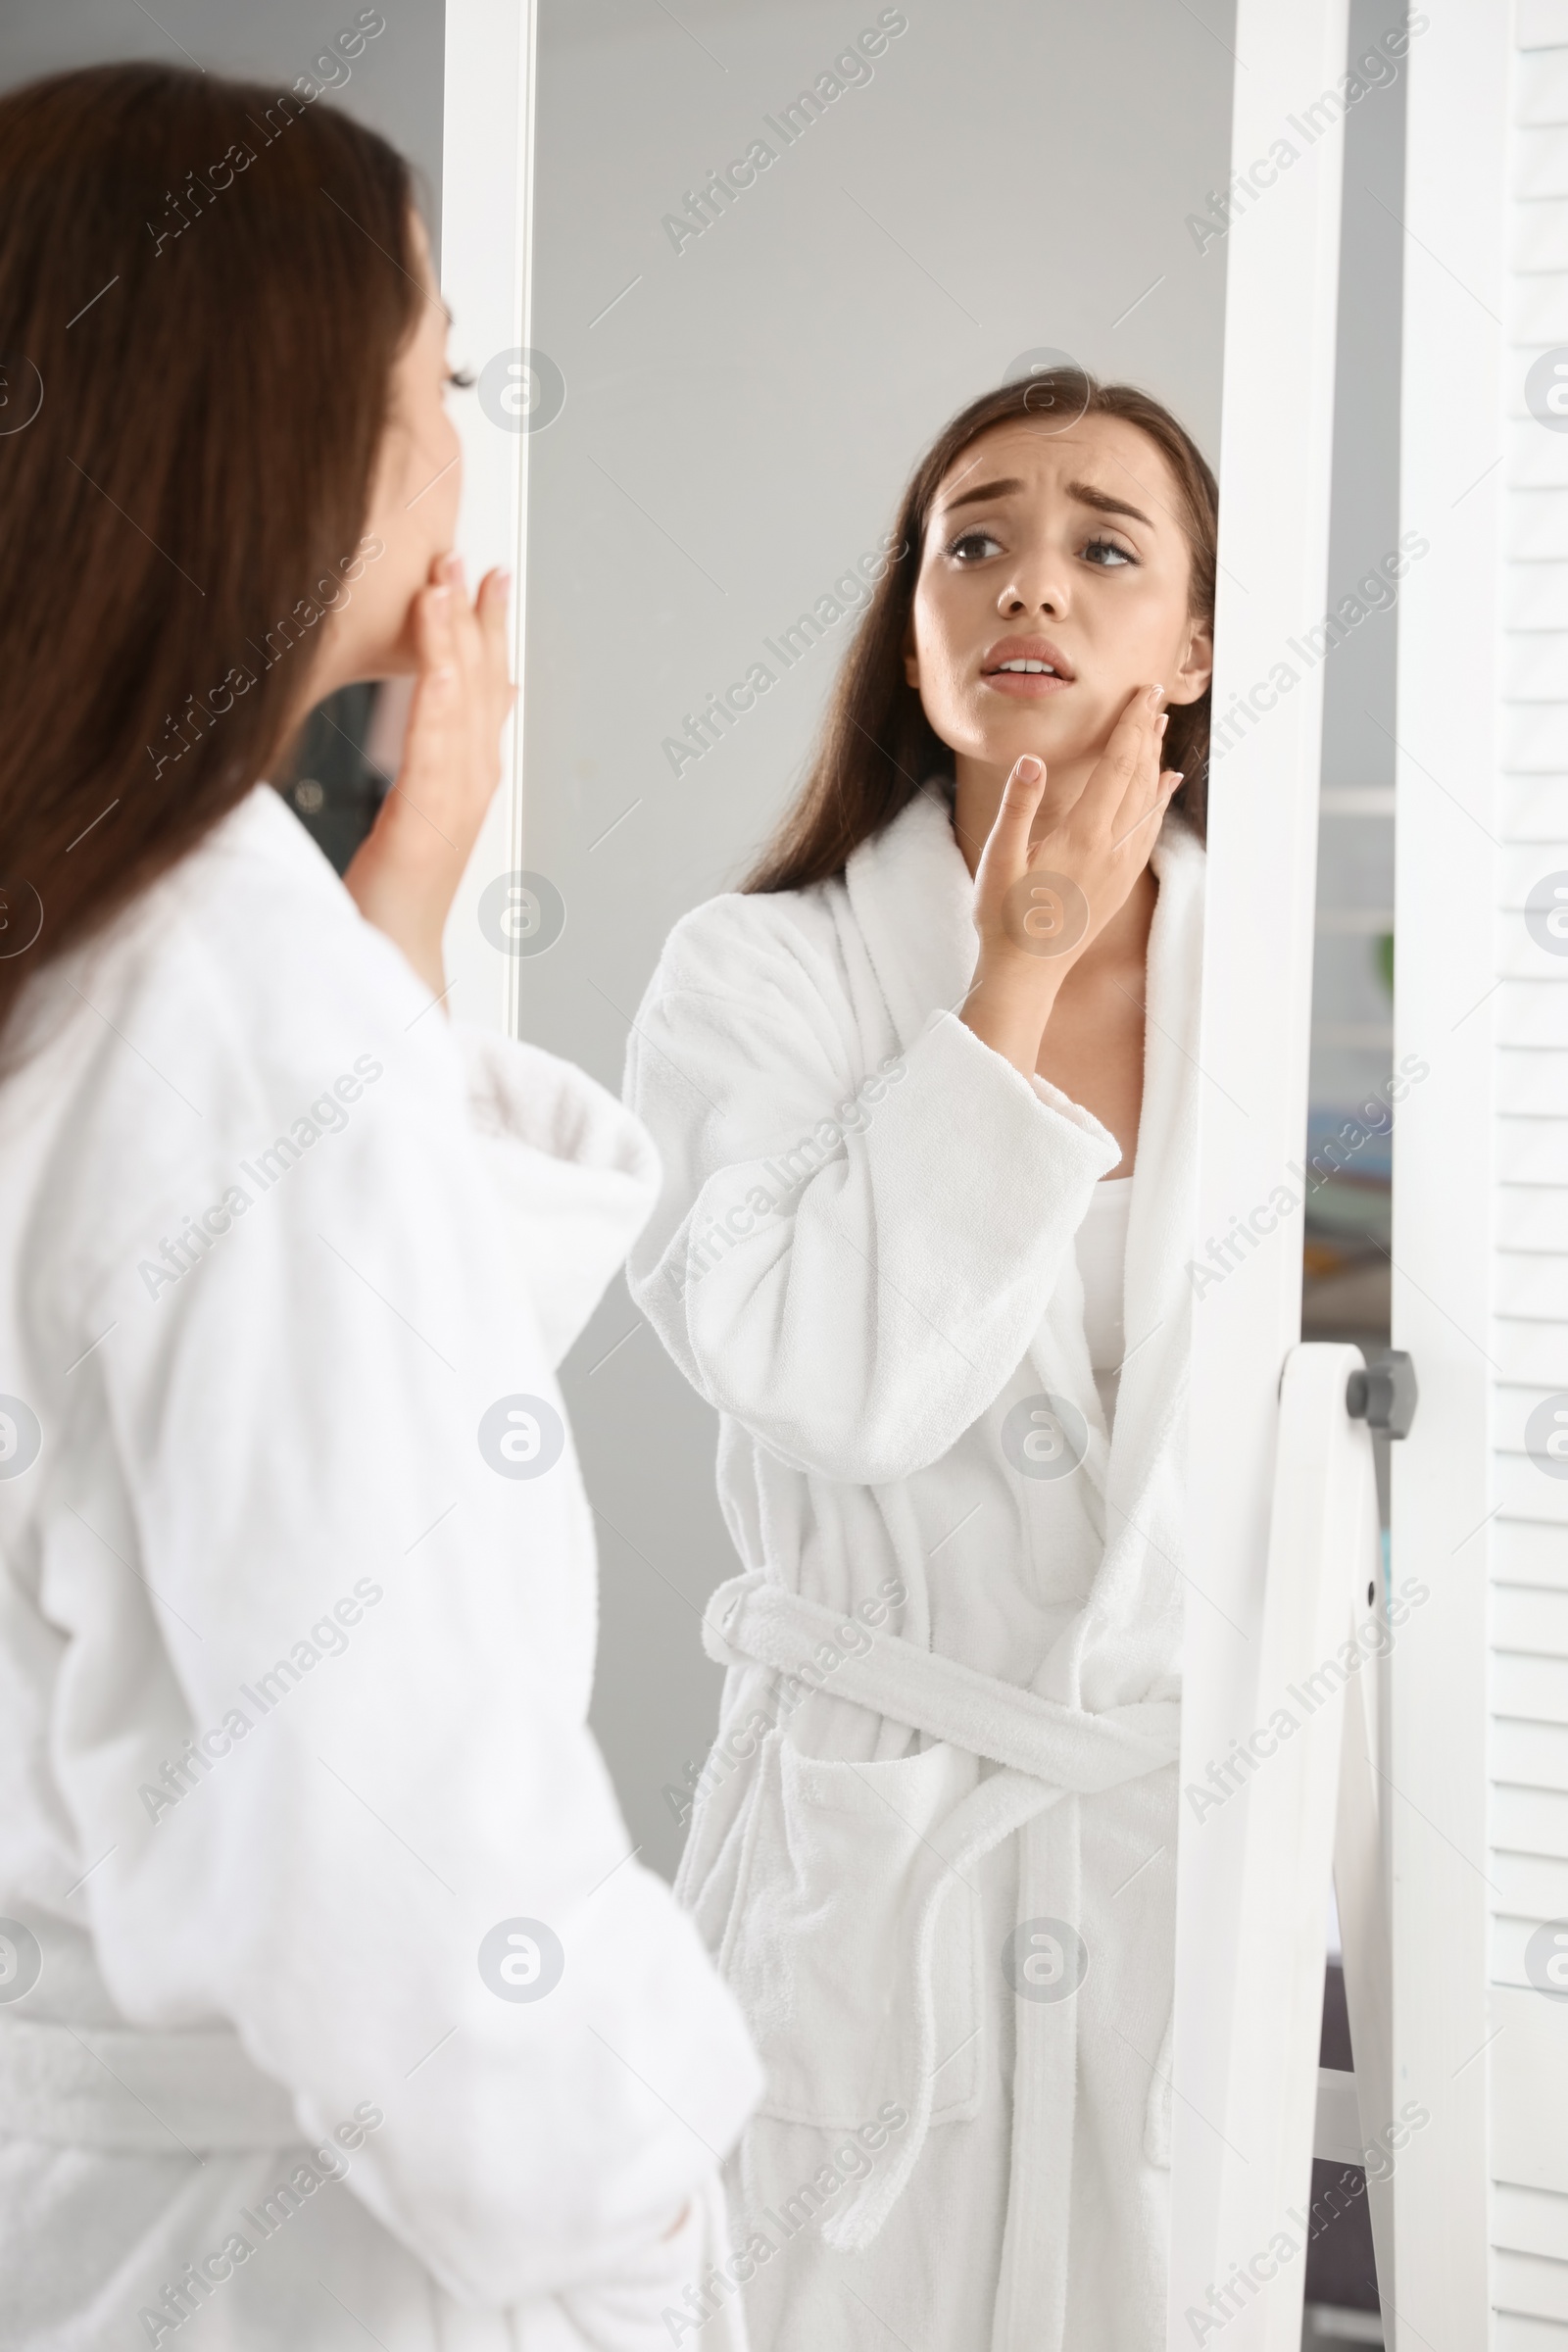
x=1134 y=1613
x=913 y=900
x=911 y=894
x=912 y=897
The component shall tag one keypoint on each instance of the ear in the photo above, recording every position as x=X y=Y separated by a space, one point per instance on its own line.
x=1196 y=665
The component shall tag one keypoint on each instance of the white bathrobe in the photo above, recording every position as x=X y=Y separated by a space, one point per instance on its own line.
x=304 y=1839
x=949 y=1734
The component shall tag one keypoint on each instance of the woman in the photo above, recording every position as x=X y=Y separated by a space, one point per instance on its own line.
x=905 y=1168
x=332 y=2006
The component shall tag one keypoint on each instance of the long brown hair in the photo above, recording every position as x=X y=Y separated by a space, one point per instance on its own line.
x=203 y=286
x=877 y=748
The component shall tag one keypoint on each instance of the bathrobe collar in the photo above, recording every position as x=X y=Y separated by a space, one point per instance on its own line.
x=913 y=899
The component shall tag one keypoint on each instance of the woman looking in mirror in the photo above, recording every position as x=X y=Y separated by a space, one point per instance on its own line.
x=925 y=1098
x=331 y=1996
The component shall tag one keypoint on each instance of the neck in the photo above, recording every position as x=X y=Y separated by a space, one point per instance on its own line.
x=978 y=796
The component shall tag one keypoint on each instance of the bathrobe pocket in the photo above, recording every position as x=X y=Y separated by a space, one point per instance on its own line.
x=821 y=1944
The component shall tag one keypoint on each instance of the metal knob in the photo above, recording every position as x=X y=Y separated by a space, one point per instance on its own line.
x=1385 y=1394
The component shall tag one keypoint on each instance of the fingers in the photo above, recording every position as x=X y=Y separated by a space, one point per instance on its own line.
x=490 y=605
x=493 y=607
x=481 y=638
x=1130 y=761
x=1132 y=786
x=434 y=711
x=1136 y=829
x=1007 y=844
x=463 y=692
x=1132 y=741
x=434 y=632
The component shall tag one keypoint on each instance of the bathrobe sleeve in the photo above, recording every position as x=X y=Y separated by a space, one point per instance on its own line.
x=325 y=1663
x=578 y=1177
x=854 y=1246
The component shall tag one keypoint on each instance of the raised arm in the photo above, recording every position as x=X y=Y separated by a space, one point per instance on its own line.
x=850 y=1251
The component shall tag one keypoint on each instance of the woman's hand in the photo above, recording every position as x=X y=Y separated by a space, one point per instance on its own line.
x=1041 y=903
x=402 y=878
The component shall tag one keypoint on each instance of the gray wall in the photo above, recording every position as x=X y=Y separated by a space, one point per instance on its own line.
x=735 y=432
x=736 y=429
x=1356 y=853
x=394 y=85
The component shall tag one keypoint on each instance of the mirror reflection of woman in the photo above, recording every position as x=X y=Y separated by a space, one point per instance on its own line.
x=926 y=1100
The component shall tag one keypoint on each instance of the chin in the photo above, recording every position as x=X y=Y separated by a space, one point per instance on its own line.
x=1033 y=731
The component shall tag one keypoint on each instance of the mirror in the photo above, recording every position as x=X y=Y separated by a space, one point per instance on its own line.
x=773 y=253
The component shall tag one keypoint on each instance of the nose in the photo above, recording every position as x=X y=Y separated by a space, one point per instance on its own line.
x=1038 y=584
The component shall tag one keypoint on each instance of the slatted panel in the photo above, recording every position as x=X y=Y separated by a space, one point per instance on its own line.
x=1527 y=1862
x=1530 y=1820
x=1530 y=1688
x=1525 y=1551
x=1529 y=2221
x=1514 y=2333
x=1529 y=1886
x=1532 y=2284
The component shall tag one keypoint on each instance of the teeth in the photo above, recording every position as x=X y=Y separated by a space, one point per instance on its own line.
x=1029 y=669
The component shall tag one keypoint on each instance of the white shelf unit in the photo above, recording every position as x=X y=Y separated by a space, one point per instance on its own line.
x=1480 y=1756
x=1528 y=1641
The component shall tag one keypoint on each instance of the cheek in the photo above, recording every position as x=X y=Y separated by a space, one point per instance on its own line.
x=944 y=630
x=441 y=481
x=431 y=443
x=1157 y=617
x=452 y=481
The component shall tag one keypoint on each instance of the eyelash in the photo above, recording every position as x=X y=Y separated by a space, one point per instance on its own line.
x=460 y=380
x=1114 y=546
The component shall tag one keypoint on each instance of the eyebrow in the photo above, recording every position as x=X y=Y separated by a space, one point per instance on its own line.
x=1086 y=495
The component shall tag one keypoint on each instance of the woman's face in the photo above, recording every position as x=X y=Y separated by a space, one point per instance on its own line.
x=1063 y=551
x=414 y=504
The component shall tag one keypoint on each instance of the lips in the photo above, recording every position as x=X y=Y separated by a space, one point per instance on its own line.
x=1002 y=667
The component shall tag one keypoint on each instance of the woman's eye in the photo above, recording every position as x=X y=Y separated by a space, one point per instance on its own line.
x=459 y=379
x=1107 y=554
x=972 y=547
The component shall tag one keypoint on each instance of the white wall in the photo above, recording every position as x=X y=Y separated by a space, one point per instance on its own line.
x=735 y=433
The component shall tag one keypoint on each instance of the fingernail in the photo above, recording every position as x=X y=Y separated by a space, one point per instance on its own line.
x=1175 y=780
x=440 y=597
x=503 y=582
x=1164 y=720
x=445 y=671
x=1028 y=770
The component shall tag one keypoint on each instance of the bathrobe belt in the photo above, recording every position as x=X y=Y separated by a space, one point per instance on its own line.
x=121 y=2090
x=1048 y=1751
x=753 y=1618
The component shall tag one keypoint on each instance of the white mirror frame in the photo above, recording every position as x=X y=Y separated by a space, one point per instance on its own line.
x=1276 y=450
x=1281 y=257
x=486 y=217
x=1455 y=2046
